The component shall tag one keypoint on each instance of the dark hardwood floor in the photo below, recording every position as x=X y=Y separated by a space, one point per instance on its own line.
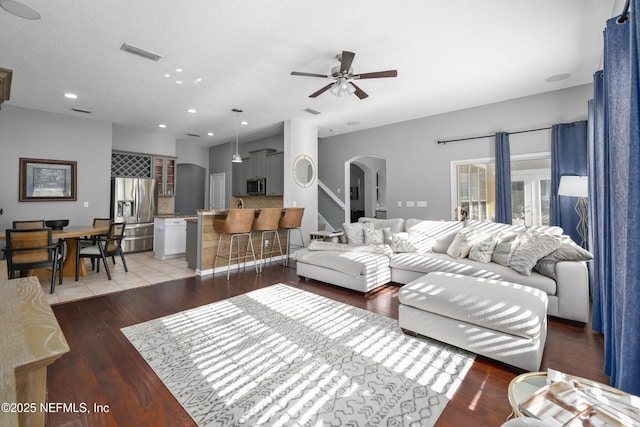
x=104 y=368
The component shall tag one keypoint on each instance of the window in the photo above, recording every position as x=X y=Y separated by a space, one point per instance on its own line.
x=473 y=188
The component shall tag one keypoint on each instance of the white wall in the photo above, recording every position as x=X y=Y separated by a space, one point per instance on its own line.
x=37 y=134
x=301 y=138
x=418 y=167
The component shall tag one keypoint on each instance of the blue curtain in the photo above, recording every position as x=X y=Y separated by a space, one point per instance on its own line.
x=503 y=179
x=615 y=205
x=568 y=157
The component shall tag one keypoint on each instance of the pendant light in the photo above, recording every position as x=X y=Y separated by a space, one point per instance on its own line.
x=236 y=157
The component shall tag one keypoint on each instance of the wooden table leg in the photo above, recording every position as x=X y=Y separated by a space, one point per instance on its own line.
x=69 y=265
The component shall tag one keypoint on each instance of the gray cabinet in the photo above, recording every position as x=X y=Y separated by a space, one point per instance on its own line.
x=258 y=164
x=275 y=174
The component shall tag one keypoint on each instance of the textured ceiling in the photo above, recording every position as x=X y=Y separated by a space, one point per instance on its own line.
x=449 y=56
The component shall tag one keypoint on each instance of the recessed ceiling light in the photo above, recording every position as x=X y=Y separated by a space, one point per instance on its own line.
x=179 y=82
x=244 y=123
x=191 y=110
x=71 y=95
x=20 y=10
x=162 y=125
x=178 y=70
x=210 y=134
x=198 y=80
x=167 y=75
x=557 y=77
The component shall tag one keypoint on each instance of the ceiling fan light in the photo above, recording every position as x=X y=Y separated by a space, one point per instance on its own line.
x=351 y=89
x=335 y=89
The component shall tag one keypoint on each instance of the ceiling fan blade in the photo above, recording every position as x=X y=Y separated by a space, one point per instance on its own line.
x=298 y=73
x=321 y=91
x=345 y=61
x=359 y=92
x=377 y=74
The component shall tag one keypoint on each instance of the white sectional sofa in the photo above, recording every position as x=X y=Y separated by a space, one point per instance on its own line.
x=412 y=248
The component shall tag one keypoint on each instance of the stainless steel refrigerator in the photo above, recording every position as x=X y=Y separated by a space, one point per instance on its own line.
x=134 y=201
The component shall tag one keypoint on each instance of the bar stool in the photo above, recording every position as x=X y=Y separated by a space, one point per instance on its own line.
x=237 y=223
x=267 y=221
x=291 y=220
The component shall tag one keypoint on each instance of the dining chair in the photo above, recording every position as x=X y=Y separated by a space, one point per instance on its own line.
x=108 y=245
x=91 y=240
x=28 y=249
x=36 y=223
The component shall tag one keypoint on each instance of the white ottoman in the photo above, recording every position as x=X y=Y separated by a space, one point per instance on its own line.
x=500 y=320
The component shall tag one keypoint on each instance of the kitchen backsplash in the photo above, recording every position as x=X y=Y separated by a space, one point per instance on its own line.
x=165 y=205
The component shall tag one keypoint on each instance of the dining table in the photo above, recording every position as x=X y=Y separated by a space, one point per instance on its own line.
x=70 y=235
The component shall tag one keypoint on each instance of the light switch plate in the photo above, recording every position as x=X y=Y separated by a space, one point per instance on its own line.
x=86 y=204
x=399 y=204
x=421 y=203
x=410 y=203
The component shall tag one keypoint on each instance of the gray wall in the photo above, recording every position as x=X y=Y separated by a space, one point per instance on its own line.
x=36 y=134
x=187 y=152
x=418 y=168
x=127 y=138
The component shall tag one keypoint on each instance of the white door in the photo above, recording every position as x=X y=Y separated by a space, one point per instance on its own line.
x=217 y=191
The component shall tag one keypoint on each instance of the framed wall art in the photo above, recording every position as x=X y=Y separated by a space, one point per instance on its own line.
x=47 y=180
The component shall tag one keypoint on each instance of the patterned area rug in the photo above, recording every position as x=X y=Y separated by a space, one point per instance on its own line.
x=280 y=356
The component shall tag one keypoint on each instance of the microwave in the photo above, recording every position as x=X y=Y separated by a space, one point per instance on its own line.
x=257 y=186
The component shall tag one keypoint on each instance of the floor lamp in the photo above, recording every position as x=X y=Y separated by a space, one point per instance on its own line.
x=577 y=186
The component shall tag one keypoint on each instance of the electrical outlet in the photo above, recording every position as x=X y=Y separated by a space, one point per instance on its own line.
x=266 y=243
x=410 y=203
x=86 y=204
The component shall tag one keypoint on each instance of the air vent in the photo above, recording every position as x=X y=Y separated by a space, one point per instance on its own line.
x=80 y=110
x=312 y=111
x=195 y=135
x=140 y=52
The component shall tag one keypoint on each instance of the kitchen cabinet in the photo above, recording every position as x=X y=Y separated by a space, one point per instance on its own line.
x=164 y=172
x=258 y=164
x=170 y=237
x=240 y=172
x=275 y=174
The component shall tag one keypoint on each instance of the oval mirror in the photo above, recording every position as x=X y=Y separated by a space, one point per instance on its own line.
x=304 y=171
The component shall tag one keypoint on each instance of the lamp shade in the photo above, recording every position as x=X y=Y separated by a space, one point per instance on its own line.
x=574 y=186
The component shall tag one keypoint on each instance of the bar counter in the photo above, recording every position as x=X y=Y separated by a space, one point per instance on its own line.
x=202 y=242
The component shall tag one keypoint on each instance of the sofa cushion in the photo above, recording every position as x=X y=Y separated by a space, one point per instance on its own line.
x=497 y=305
x=373 y=236
x=355 y=232
x=533 y=246
x=505 y=247
x=352 y=262
x=428 y=263
x=401 y=242
x=462 y=243
x=568 y=251
x=396 y=225
x=482 y=250
x=428 y=236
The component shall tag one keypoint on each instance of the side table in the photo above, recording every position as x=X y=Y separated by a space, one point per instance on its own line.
x=522 y=387
x=330 y=236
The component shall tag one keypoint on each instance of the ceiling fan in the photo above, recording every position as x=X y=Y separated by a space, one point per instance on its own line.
x=342 y=76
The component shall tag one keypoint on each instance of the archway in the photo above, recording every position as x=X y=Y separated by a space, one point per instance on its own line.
x=365 y=187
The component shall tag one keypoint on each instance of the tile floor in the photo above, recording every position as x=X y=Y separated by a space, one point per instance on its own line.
x=144 y=270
